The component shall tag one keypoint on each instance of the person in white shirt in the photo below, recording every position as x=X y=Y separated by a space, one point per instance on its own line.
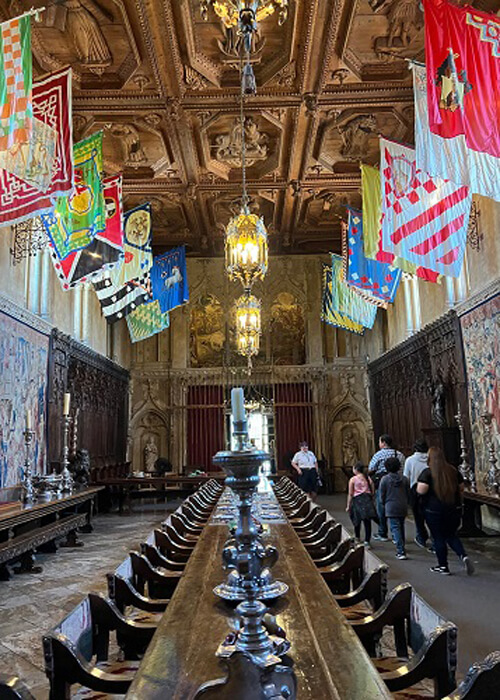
x=306 y=465
x=414 y=466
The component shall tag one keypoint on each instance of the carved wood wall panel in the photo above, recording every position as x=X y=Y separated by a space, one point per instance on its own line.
x=404 y=381
x=99 y=391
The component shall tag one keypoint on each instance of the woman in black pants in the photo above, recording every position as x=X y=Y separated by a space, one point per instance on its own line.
x=441 y=486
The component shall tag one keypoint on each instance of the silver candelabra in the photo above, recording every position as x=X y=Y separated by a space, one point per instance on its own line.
x=465 y=467
x=67 y=479
x=247 y=557
x=27 y=481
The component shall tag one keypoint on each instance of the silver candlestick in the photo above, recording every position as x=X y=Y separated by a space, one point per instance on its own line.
x=247 y=556
x=28 y=494
x=67 y=479
x=465 y=467
x=492 y=478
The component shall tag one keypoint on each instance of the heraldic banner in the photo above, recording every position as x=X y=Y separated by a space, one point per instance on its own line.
x=147 y=320
x=347 y=300
x=379 y=280
x=329 y=313
x=125 y=288
x=450 y=158
x=372 y=231
x=169 y=279
x=424 y=218
x=76 y=219
x=104 y=252
x=20 y=195
x=462 y=50
x=138 y=256
x=16 y=78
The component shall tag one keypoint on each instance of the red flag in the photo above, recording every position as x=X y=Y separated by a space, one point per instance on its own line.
x=462 y=49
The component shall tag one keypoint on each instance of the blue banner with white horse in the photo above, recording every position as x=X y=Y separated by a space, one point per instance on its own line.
x=169 y=279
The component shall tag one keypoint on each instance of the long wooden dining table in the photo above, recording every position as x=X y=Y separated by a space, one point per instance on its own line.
x=329 y=660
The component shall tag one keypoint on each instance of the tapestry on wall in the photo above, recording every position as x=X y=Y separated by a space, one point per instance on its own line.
x=481 y=340
x=23 y=387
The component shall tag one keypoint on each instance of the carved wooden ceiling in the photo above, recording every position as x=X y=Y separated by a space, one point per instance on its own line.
x=163 y=85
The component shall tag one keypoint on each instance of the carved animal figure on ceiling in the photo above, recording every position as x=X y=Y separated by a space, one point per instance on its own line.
x=229 y=146
x=355 y=136
x=133 y=152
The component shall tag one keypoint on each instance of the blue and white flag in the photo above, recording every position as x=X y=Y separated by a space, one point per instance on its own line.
x=169 y=279
x=378 y=280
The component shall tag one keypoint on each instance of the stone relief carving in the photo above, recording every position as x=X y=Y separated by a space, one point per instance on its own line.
x=228 y=147
x=355 y=134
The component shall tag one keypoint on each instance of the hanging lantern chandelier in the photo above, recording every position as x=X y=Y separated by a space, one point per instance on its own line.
x=248 y=326
x=246 y=248
x=229 y=11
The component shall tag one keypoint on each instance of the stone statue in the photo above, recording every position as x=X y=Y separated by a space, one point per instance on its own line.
x=83 y=25
x=350 y=449
x=438 y=412
x=79 y=467
x=150 y=455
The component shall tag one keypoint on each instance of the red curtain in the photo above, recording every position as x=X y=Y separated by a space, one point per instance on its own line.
x=294 y=420
x=205 y=425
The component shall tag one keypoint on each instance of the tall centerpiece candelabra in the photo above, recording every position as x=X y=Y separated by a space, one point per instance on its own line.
x=246 y=556
x=493 y=476
x=465 y=468
x=67 y=479
x=28 y=493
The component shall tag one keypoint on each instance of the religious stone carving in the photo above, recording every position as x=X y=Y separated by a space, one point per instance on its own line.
x=355 y=134
x=150 y=455
x=229 y=146
x=350 y=447
x=133 y=153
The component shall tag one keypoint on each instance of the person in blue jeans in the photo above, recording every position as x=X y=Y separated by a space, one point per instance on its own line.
x=395 y=496
x=376 y=470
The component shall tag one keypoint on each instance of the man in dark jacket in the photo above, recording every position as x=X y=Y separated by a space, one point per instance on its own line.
x=395 y=496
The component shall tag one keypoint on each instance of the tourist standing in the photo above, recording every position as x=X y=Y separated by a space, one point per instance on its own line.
x=414 y=466
x=306 y=465
x=441 y=486
x=360 y=504
x=395 y=497
x=376 y=469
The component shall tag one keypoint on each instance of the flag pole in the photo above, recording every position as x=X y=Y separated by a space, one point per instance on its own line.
x=34 y=11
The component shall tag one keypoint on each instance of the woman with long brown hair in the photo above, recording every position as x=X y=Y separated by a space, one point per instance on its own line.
x=441 y=486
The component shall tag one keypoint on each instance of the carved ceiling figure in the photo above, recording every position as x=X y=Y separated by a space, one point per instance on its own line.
x=355 y=136
x=128 y=135
x=229 y=146
x=231 y=45
x=82 y=24
x=404 y=17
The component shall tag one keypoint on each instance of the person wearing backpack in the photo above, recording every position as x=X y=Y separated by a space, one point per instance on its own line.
x=376 y=470
x=360 y=502
x=395 y=497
